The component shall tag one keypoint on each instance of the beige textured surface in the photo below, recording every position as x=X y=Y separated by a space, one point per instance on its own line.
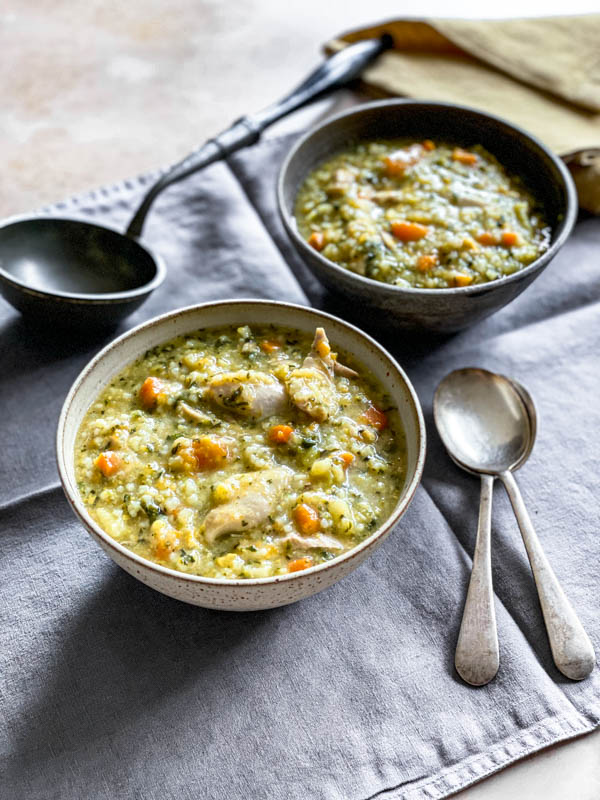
x=96 y=91
x=93 y=92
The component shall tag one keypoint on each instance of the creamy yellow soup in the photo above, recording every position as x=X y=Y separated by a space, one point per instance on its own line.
x=427 y=215
x=241 y=453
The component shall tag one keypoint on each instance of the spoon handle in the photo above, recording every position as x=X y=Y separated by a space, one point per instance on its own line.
x=477 y=657
x=335 y=72
x=571 y=648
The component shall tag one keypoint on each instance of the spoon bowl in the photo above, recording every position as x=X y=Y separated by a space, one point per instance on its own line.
x=482 y=421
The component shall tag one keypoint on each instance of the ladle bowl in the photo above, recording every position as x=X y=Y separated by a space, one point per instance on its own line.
x=72 y=273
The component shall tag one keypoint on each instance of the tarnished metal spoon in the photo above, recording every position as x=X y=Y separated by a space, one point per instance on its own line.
x=487 y=426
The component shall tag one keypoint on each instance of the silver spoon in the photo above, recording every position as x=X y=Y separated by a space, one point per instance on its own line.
x=485 y=424
x=477 y=652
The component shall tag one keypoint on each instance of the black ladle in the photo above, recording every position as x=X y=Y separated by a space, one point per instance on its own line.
x=78 y=273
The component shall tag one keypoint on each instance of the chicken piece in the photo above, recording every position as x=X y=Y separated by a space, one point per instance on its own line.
x=342 y=181
x=468 y=196
x=389 y=241
x=310 y=542
x=311 y=387
x=195 y=415
x=253 y=496
x=384 y=196
x=248 y=392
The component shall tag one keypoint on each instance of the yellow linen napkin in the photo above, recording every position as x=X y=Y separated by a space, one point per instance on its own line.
x=542 y=74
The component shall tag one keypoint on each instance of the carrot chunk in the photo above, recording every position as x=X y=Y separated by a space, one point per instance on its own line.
x=409 y=231
x=299 y=564
x=509 y=238
x=306 y=518
x=398 y=162
x=487 y=239
x=270 y=345
x=428 y=145
x=346 y=459
x=375 y=417
x=150 y=392
x=164 y=539
x=427 y=262
x=462 y=280
x=317 y=240
x=108 y=463
x=280 y=434
x=464 y=157
x=210 y=453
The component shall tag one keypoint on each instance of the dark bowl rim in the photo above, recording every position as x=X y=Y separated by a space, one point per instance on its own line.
x=561 y=231
x=83 y=298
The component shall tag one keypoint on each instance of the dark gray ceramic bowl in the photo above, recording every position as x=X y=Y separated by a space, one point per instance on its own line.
x=430 y=309
x=63 y=283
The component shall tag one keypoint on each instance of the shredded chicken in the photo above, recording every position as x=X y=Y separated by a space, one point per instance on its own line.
x=465 y=196
x=194 y=414
x=248 y=392
x=310 y=542
x=254 y=496
x=311 y=387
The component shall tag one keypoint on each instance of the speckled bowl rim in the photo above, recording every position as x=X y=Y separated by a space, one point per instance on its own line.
x=79 y=508
x=561 y=231
x=101 y=298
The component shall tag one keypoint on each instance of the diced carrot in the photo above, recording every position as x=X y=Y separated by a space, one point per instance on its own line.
x=398 y=162
x=317 y=240
x=270 y=345
x=509 y=238
x=299 y=564
x=346 y=459
x=210 y=453
x=462 y=280
x=425 y=263
x=280 y=434
x=464 y=157
x=108 y=463
x=409 y=231
x=306 y=518
x=323 y=348
x=164 y=540
x=487 y=239
x=428 y=145
x=375 y=417
x=150 y=392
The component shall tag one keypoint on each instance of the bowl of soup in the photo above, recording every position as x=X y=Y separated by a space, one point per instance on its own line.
x=429 y=215
x=243 y=454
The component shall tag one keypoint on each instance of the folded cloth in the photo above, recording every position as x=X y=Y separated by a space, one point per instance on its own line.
x=542 y=74
x=111 y=690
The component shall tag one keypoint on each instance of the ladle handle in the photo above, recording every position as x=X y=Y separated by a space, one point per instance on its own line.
x=336 y=71
x=477 y=658
x=571 y=648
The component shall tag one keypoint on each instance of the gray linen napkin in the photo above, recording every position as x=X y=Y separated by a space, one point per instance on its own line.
x=108 y=689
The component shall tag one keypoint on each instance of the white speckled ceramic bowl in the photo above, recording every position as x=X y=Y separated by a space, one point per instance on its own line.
x=259 y=593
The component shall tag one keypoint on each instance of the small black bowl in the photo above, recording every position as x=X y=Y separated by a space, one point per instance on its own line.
x=74 y=275
x=430 y=309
